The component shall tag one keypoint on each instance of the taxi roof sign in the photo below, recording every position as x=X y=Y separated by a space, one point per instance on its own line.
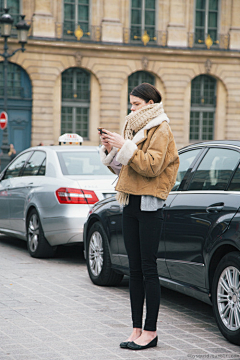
x=70 y=139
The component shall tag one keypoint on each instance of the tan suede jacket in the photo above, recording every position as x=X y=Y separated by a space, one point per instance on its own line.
x=150 y=161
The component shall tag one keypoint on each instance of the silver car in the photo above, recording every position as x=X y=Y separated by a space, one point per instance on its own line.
x=46 y=193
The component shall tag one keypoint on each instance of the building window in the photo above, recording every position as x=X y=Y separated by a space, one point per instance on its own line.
x=17 y=82
x=206 y=21
x=143 y=14
x=203 y=105
x=136 y=79
x=76 y=18
x=75 y=102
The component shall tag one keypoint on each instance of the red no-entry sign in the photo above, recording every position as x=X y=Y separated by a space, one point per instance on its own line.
x=3 y=120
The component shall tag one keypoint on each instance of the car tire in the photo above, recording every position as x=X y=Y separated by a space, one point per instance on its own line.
x=37 y=244
x=226 y=297
x=98 y=258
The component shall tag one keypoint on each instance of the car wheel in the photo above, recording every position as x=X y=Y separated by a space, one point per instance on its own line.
x=226 y=297
x=37 y=244
x=98 y=258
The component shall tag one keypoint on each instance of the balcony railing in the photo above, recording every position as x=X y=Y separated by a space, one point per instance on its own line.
x=144 y=37
x=132 y=36
x=222 y=41
x=76 y=33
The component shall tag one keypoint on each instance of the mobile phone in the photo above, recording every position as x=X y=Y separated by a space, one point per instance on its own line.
x=101 y=131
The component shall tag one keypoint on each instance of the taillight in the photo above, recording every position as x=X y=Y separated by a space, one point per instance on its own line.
x=76 y=196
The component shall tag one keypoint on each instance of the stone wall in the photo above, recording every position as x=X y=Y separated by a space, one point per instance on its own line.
x=111 y=63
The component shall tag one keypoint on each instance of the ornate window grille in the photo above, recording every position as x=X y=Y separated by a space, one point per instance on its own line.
x=206 y=22
x=75 y=102
x=136 y=79
x=143 y=20
x=203 y=106
x=76 y=19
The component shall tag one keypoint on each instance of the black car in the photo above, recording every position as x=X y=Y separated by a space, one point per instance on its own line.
x=199 y=252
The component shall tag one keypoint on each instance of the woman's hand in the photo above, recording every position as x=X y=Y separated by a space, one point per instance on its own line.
x=113 y=139
x=105 y=142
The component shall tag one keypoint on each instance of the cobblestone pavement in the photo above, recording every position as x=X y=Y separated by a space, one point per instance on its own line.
x=50 y=310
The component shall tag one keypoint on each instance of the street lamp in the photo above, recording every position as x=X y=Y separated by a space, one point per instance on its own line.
x=6 y=22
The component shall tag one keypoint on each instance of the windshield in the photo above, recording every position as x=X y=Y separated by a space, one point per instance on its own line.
x=82 y=163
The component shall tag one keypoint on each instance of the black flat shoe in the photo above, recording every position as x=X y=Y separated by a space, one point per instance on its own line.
x=124 y=344
x=131 y=345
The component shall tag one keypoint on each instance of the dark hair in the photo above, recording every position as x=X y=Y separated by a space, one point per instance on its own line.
x=147 y=92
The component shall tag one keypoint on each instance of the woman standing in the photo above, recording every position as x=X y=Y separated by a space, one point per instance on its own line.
x=146 y=159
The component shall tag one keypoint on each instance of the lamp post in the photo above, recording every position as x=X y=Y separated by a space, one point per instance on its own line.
x=6 y=22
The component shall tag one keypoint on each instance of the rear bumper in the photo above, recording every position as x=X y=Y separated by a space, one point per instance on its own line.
x=62 y=230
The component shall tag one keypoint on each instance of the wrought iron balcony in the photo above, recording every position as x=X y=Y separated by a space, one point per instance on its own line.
x=222 y=41
x=144 y=37
x=72 y=32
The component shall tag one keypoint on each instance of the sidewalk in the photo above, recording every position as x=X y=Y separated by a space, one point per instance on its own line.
x=50 y=310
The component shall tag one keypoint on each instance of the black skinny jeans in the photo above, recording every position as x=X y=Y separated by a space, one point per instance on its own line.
x=142 y=232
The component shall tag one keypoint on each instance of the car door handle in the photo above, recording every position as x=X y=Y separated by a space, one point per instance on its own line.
x=115 y=207
x=30 y=184
x=215 y=208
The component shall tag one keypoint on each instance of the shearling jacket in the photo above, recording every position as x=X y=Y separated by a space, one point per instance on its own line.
x=150 y=161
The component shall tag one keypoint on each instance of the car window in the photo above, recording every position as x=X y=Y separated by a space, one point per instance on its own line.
x=215 y=170
x=82 y=163
x=186 y=159
x=42 y=169
x=15 y=168
x=235 y=183
x=34 y=163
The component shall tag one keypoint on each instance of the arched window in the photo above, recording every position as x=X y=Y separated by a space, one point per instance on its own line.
x=138 y=78
x=76 y=17
x=75 y=102
x=203 y=105
x=18 y=83
x=19 y=105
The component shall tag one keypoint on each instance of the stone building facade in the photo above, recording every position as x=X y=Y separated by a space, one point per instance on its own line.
x=82 y=56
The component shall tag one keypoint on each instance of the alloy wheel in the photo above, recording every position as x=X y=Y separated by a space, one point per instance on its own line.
x=33 y=233
x=96 y=253
x=228 y=298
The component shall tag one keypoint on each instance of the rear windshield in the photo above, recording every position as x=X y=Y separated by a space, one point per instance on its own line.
x=82 y=163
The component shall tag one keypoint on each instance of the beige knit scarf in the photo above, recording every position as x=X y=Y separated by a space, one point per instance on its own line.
x=135 y=121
